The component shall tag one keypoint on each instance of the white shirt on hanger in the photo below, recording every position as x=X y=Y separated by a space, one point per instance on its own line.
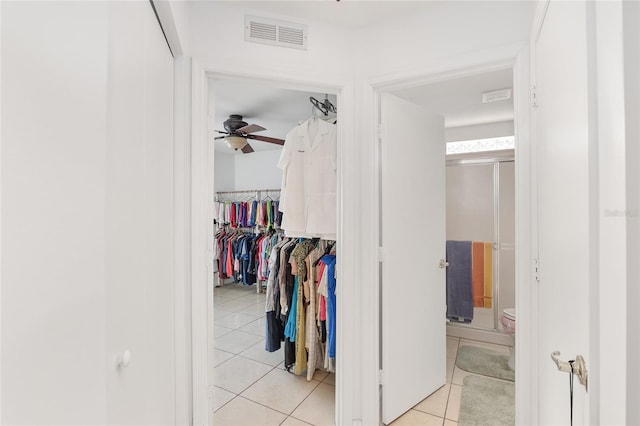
x=308 y=194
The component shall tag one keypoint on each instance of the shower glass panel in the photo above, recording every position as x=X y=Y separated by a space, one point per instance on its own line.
x=480 y=208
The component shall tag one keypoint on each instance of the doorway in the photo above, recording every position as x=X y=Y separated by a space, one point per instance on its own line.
x=418 y=107
x=202 y=157
x=257 y=371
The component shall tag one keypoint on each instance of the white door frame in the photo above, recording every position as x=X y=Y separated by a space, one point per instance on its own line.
x=202 y=196
x=517 y=57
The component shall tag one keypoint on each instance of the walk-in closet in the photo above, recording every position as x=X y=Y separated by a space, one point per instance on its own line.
x=274 y=254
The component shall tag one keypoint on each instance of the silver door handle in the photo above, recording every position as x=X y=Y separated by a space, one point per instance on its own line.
x=577 y=367
x=443 y=263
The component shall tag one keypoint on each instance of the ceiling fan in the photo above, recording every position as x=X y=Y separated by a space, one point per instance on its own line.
x=238 y=131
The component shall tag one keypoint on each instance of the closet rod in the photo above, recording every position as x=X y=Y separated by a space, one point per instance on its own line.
x=248 y=190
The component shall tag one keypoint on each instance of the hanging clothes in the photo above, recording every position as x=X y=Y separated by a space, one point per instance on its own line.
x=308 y=193
x=313 y=342
x=294 y=300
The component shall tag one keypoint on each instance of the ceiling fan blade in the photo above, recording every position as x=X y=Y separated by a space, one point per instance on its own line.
x=220 y=131
x=247 y=149
x=219 y=137
x=266 y=139
x=251 y=128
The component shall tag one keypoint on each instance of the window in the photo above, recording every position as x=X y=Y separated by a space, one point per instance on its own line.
x=480 y=145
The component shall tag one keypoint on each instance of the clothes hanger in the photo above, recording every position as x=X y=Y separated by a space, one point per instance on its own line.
x=327 y=250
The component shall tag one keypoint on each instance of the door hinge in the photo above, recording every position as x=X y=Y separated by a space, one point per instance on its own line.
x=380 y=131
x=380 y=254
x=536 y=269
x=380 y=377
x=534 y=97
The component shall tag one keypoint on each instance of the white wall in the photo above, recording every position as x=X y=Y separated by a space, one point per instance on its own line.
x=224 y=172
x=449 y=29
x=217 y=31
x=258 y=170
x=453 y=35
x=239 y=172
x=479 y=131
x=53 y=209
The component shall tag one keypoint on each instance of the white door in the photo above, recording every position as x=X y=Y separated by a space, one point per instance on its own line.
x=413 y=241
x=564 y=238
x=139 y=219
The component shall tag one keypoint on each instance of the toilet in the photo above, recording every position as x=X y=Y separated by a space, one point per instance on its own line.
x=508 y=320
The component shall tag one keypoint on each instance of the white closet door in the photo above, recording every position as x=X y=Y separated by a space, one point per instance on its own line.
x=139 y=225
x=413 y=241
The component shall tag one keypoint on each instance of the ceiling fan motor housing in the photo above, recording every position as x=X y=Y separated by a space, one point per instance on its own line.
x=233 y=123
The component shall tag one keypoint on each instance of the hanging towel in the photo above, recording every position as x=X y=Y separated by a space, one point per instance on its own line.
x=478 y=274
x=459 y=281
x=488 y=275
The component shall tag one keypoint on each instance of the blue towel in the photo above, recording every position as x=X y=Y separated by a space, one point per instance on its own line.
x=459 y=281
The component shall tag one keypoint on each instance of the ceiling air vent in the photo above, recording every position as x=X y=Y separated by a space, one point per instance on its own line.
x=275 y=33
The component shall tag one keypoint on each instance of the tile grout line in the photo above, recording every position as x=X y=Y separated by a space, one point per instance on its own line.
x=271 y=408
x=318 y=382
x=307 y=397
x=451 y=384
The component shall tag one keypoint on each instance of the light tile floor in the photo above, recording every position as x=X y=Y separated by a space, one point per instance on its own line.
x=252 y=387
x=443 y=406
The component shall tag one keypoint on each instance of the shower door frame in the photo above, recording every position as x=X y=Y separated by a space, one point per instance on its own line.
x=490 y=335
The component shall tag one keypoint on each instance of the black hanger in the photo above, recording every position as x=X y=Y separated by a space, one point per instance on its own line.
x=326 y=251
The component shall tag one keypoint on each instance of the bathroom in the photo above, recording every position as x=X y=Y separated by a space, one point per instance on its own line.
x=478 y=113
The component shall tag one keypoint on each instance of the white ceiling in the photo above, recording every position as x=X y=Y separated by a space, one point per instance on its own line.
x=460 y=100
x=351 y=14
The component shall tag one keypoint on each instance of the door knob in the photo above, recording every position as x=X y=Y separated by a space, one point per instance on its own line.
x=577 y=367
x=123 y=359
x=443 y=263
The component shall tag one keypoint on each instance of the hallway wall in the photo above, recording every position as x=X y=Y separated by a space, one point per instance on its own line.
x=387 y=48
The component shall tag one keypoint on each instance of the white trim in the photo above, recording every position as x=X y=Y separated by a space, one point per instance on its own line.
x=526 y=248
x=181 y=250
x=511 y=56
x=538 y=20
x=169 y=26
x=182 y=327
x=200 y=330
x=1 y=352
x=526 y=266
x=202 y=193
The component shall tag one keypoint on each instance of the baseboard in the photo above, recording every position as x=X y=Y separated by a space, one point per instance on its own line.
x=495 y=337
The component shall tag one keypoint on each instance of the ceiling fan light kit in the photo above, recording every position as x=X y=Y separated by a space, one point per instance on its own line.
x=238 y=131
x=235 y=142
